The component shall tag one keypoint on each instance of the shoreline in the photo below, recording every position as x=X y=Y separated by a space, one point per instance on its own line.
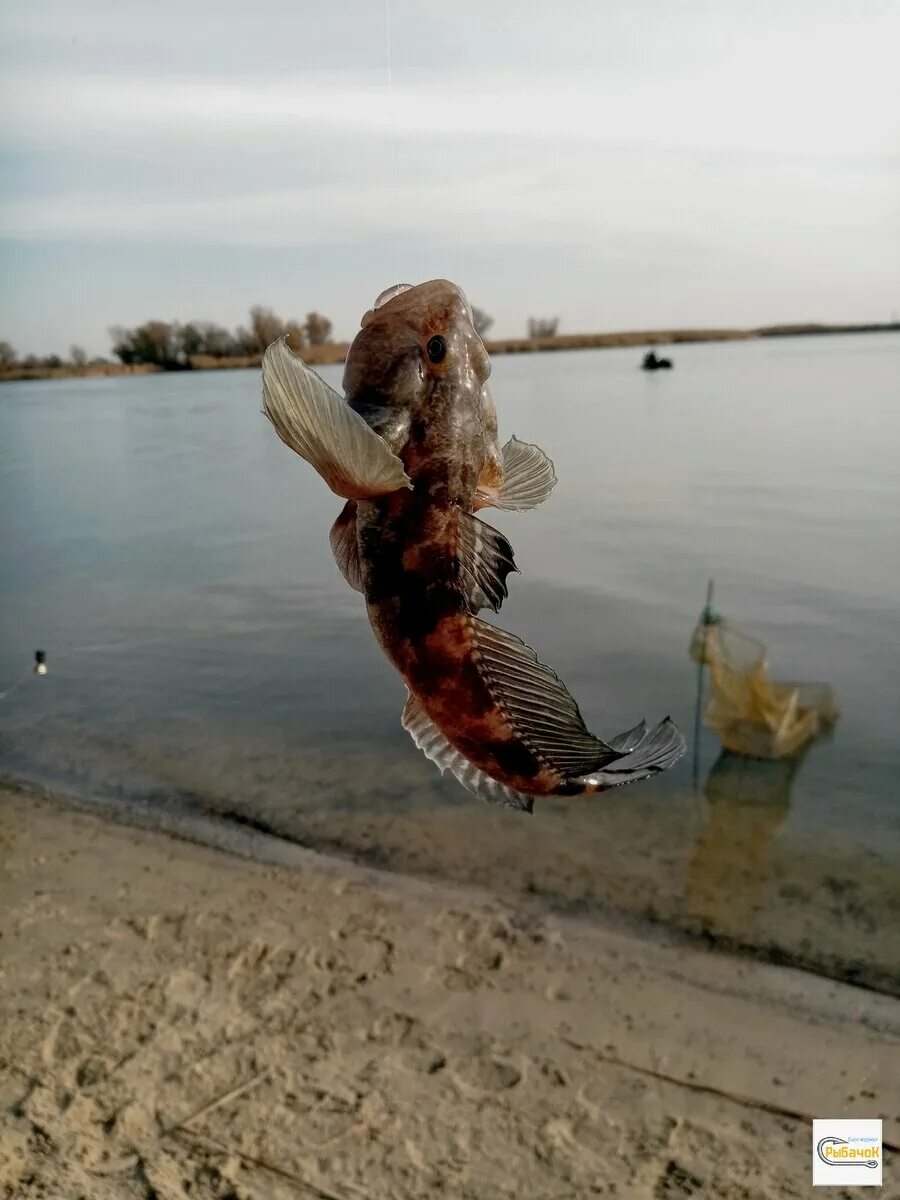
x=336 y=352
x=176 y=1020
x=255 y=840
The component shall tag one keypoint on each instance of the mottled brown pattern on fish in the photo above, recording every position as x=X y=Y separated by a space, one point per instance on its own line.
x=409 y=541
x=416 y=374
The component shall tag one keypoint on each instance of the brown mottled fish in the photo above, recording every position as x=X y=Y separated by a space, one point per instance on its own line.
x=413 y=447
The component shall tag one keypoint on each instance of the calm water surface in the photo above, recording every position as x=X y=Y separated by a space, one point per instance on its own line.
x=171 y=557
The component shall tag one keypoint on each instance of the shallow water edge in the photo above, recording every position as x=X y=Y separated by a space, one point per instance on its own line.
x=254 y=839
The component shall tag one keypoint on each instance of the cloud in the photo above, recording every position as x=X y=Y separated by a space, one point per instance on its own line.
x=730 y=158
x=721 y=109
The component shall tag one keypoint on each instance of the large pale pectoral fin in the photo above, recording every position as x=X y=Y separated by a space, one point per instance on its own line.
x=345 y=547
x=485 y=560
x=319 y=425
x=528 y=479
x=446 y=757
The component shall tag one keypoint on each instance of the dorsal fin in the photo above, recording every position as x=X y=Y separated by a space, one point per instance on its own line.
x=537 y=703
x=485 y=560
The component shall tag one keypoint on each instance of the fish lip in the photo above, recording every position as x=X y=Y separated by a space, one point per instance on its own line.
x=403 y=317
x=389 y=293
x=399 y=295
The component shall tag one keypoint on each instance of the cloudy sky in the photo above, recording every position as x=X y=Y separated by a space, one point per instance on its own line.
x=620 y=164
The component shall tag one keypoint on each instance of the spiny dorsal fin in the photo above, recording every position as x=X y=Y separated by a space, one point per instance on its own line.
x=485 y=560
x=435 y=746
x=345 y=547
x=528 y=479
x=319 y=425
x=536 y=703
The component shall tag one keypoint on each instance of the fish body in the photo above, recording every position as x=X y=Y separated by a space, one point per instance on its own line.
x=419 y=419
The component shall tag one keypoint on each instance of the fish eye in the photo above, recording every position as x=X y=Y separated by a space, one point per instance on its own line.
x=436 y=349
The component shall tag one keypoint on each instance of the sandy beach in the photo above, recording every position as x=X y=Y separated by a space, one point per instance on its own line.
x=179 y=1022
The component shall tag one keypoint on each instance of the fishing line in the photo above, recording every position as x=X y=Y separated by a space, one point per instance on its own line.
x=41 y=666
x=16 y=683
x=391 y=156
x=387 y=36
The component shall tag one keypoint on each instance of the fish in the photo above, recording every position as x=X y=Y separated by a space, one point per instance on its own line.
x=413 y=448
x=516 y=477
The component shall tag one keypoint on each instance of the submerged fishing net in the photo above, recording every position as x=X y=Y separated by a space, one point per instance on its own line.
x=751 y=713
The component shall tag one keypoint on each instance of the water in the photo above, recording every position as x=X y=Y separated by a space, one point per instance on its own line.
x=171 y=557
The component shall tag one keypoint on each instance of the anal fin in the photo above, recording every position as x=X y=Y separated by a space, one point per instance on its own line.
x=434 y=745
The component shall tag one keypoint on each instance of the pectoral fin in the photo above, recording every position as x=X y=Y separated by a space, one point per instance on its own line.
x=345 y=547
x=485 y=560
x=319 y=425
x=528 y=479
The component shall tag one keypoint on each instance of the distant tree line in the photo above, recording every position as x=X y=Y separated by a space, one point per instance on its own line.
x=173 y=345
x=78 y=357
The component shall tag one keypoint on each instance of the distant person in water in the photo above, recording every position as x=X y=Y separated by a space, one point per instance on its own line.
x=652 y=363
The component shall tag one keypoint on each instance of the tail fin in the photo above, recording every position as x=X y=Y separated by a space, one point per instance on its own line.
x=641 y=754
x=547 y=721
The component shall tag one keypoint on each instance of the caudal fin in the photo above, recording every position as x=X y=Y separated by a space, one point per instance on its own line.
x=642 y=754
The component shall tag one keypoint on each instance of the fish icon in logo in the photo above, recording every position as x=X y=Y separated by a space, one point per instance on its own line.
x=829 y=1151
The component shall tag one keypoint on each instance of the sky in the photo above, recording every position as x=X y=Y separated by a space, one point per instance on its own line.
x=620 y=165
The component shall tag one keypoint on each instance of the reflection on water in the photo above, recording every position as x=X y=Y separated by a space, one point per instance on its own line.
x=172 y=558
x=747 y=802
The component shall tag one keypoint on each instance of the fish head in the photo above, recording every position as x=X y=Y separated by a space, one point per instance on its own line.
x=417 y=351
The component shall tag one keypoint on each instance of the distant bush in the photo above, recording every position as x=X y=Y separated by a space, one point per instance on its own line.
x=481 y=320
x=7 y=355
x=542 y=327
x=265 y=327
x=296 y=337
x=317 y=329
x=205 y=337
x=155 y=342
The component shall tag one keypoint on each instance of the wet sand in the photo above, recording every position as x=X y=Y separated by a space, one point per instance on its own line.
x=176 y=1021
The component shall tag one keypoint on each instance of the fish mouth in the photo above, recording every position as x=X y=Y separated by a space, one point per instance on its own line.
x=446 y=298
x=390 y=293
